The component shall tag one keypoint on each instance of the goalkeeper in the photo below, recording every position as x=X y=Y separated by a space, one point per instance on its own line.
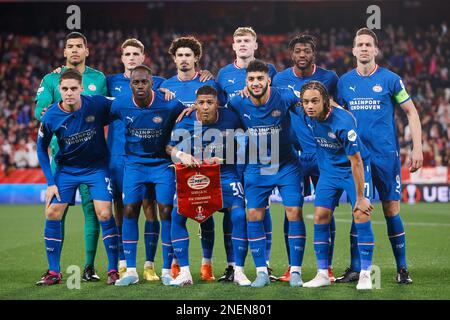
x=94 y=82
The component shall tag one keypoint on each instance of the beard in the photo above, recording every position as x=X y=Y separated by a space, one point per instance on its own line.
x=260 y=95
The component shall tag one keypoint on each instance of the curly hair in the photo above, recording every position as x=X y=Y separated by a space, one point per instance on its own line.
x=186 y=42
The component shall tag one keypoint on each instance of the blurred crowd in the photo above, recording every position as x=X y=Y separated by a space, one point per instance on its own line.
x=419 y=55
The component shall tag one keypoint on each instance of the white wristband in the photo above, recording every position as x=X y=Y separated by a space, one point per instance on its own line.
x=178 y=154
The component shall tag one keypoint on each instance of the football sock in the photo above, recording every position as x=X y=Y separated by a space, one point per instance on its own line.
x=91 y=225
x=286 y=238
x=130 y=237
x=297 y=239
x=322 y=244
x=365 y=244
x=151 y=235
x=166 y=243
x=227 y=234
x=354 y=251
x=110 y=240
x=207 y=232
x=239 y=235
x=396 y=233
x=332 y=236
x=119 y=236
x=268 y=229
x=180 y=238
x=52 y=237
x=257 y=242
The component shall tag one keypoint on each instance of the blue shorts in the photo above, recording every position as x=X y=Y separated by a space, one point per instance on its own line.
x=330 y=187
x=310 y=170
x=288 y=179
x=139 y=179
x=97 y=181
x=387 y=177
x=116 y=171
x=232 y=192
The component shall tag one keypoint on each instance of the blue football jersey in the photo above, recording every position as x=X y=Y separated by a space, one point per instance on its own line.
x=209 y=140
x=371 y=99
x=264 y=123
x=185 y=91
x=231 y=78
x=80 y=136
x=288 y=79
x=336 y=138
x=117 y=85
x=147 y=129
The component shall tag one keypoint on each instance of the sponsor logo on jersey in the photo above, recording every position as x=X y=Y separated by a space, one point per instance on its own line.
x=276 y=113
x=41 y=89
x=331 y=135
x=247 y=116
x=377 y=88
x=92 y=87
x=231 y=80
x=118 y=89
x=198 y=181
x=157 y=119
x=90 y=118
x=352 y=88
x=351 y=135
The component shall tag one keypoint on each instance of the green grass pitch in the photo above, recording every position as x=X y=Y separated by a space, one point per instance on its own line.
x=22 y=259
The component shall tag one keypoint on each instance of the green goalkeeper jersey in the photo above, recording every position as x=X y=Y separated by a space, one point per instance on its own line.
x=94 y=82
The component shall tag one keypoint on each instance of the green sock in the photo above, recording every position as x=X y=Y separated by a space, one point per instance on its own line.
x=91 y=225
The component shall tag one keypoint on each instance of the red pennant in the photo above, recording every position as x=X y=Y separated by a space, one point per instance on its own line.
x=199 y=191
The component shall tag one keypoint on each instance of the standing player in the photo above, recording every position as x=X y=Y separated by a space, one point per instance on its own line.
x=186 y=53
x=148 y=121
x=119 y=84
x=231 y=80
x=94 y=82
x=77 y=123
x=272 y=162
x=303 y=54
x=371 y=92
x=344 y=165
x=203 y=127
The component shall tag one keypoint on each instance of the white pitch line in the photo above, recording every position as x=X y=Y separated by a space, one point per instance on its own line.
x=415 y=224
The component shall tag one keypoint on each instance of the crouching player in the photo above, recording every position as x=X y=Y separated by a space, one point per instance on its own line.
x=203 y=136
x=344 y=165
x=77 y=121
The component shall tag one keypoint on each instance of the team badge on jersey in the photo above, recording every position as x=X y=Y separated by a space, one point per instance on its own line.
x=331 y=135
x=377 y=88
x=276 y=113
x=157 y=119
x=351 y=135
x=92 y=87
x=90 y=118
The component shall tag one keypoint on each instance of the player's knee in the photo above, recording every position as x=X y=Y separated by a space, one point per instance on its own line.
x=391 y=208
x=165 y=212
x=237 y=215
x=53 y=213
x=104 y=214
x=360 y=217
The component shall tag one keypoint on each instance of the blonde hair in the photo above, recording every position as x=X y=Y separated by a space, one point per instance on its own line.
x=243 y=31
x=132 y=42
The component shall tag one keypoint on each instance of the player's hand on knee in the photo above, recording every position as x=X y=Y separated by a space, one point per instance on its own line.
x=185 y=113
x=205 y=75
x=188 y=160
x=416 y=161
x=364 y=206
x=168 y=95
x=52 y=191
